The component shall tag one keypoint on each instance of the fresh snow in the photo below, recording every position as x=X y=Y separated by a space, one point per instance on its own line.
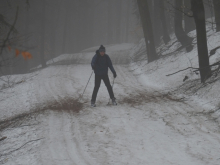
x=149 y=126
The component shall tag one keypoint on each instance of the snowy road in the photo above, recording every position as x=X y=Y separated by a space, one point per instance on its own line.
x=146 y=128
x=160 y=132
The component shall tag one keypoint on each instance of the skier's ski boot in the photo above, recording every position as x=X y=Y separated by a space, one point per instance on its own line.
x=114 y=101
x=93 y=104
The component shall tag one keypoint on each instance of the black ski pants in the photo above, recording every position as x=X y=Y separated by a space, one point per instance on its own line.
x=98 y=79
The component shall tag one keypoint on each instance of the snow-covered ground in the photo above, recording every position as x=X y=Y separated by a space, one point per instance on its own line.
x=174 y=59
x=151 y=125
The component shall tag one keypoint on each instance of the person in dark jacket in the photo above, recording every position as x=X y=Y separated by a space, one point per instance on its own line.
x=100 y=64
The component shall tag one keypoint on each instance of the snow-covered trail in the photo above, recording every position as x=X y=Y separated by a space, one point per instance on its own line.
x=160 y=132
x=145 y=132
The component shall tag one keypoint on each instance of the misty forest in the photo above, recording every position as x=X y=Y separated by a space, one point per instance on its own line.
x=98 y=82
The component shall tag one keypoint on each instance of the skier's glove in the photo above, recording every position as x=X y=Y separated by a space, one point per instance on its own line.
x=115 y=75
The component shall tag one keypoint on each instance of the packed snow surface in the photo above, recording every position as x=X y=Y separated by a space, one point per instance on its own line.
x=149 y=126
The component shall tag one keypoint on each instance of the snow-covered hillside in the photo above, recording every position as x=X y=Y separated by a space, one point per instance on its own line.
x=174 y=58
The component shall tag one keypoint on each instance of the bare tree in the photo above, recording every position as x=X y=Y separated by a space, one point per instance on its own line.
x=147 y=28
x=199 y=17
x=217 y=14
x=155 y=17
x=127 y=20
x=42 y=43
x=118 y=21
x=189 y=22
x=166 y=37
x=110 y=22
x=179 y=32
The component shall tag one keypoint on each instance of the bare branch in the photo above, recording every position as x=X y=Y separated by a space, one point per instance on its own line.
x=11 y=29
x=20 y=147
x=196 y=69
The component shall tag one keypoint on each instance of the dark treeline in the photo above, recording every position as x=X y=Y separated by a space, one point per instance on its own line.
x=185 y=16
x=48 y=28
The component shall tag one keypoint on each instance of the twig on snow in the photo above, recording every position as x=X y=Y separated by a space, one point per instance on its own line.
x=20 y=147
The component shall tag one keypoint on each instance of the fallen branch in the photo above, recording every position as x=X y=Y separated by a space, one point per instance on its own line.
x=182 y=70
x=213 y=51
x=20 y=147
x=3 y=138
x=196 y=69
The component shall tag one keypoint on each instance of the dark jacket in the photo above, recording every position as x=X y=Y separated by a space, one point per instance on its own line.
x=100 y=64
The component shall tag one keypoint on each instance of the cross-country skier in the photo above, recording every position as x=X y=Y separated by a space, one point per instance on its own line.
x=100 y=64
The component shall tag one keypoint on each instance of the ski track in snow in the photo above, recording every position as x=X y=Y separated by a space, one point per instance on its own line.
x=154 y=133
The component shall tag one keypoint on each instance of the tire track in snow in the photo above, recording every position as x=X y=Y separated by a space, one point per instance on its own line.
x=63 y=142
x=201 y=136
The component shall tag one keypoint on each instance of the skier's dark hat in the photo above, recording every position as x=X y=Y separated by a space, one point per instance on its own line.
x=101 y=48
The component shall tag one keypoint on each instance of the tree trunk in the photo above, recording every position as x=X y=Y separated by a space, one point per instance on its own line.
x=127 y=21
x=118 y=22
x=189 y=22
x=43 y=62
x=53 y=35
x=125 y=18
x=147 y=28
x=65 y=28
x=199 y=17
x=91 y=27
x=26 y=68
x=170 y=18
x=166 y=37
x=21 y=66
x=110 y=24
x=217 y=14
x=156 y=21
x=179 y=32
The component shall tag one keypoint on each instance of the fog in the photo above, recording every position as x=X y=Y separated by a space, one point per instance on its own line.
x=54 y=27
x=49 y=28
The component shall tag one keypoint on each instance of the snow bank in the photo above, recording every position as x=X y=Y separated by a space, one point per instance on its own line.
x=173 y=59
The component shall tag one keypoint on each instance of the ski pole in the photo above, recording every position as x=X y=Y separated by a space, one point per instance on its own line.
x=112 y=88
x=86 y=86
x=113 y=83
